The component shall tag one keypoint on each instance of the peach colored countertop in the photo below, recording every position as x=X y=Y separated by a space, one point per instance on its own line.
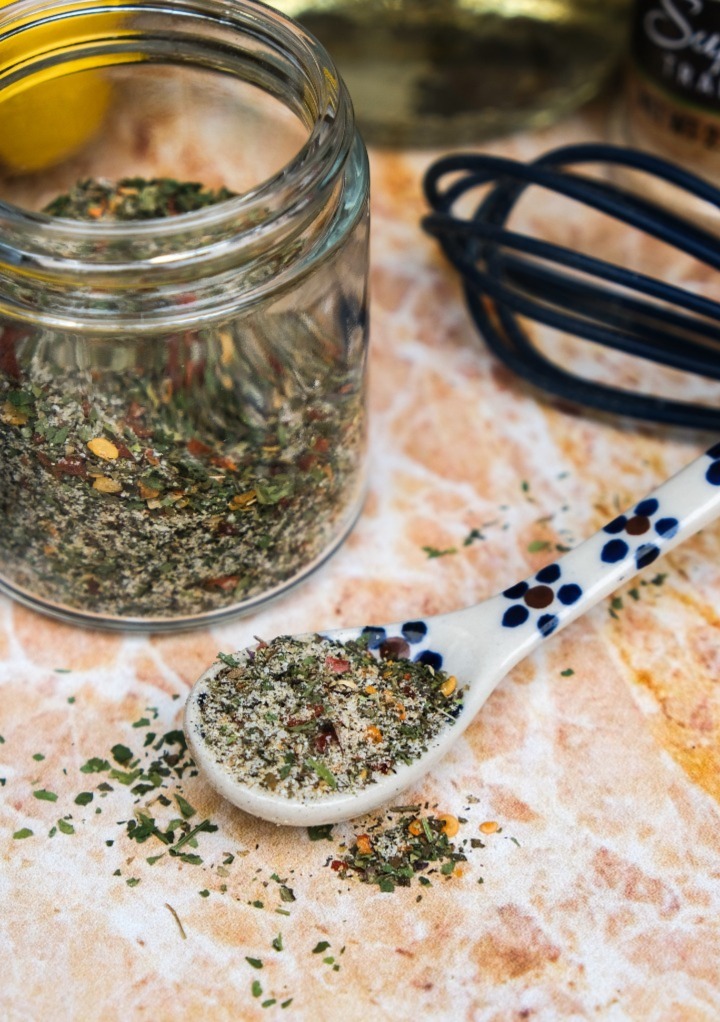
x=601 y=889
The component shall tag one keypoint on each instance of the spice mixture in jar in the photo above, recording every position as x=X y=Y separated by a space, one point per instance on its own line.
x=182 y=365
x=308 y=717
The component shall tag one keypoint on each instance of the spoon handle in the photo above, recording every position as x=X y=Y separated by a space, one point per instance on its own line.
x=522 y=616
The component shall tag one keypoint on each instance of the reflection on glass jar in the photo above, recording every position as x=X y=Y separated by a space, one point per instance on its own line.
x=182 y=419
x=440 y=72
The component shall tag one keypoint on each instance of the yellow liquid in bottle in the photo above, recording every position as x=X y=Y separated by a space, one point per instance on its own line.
x=43 y=123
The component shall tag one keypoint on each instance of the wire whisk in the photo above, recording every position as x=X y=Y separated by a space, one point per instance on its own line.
x=509 y=276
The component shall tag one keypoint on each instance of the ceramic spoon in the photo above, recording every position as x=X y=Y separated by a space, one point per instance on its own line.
x=480 y=644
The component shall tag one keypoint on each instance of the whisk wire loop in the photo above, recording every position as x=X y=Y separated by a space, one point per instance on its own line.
x=507 y=274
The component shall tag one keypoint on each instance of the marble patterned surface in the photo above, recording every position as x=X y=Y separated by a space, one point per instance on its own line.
x=599 y=757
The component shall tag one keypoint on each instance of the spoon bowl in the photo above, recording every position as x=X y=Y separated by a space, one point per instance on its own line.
x=480 y=644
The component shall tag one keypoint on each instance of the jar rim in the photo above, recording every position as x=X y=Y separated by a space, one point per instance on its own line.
x=261 y=212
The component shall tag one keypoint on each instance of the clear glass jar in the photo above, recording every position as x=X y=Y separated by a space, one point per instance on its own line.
x=444 y=72
x=182 y=420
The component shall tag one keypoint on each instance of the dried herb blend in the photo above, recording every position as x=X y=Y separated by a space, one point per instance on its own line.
x=133 y=198
x=413 y=845
x=180 y=474
x=308 y=717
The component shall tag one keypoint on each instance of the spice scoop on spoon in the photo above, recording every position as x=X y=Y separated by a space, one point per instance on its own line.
x=317 y=729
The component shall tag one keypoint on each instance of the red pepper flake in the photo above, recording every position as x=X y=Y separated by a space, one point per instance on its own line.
x=322 y=741
x=71 y=466
x=276 y=365
x=224 y=582
x=197 y=448
x=337 y=665
x=8 y=355
x=135 y=414
x=226 y=529
x=306 y=461
x=140 y=431
x=123 y=451
x=227 y=463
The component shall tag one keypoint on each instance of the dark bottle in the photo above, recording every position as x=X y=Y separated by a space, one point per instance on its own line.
x=672 y=98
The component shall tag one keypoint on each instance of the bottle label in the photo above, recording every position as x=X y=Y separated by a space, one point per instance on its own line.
x=676 y=44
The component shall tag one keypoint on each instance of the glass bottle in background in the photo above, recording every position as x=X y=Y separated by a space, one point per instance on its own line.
x=441 y=72
x=671 y=102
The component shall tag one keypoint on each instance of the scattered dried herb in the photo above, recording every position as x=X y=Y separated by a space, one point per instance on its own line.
x=308 y=716
x=392 y=856
x=537 y=545
x=321 y=832
x=186 y=810
x=47 y=796
x=433 y=551
x=176 y=917
x=179 y=474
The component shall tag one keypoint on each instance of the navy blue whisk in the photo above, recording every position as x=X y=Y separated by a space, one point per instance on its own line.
x=509 y=276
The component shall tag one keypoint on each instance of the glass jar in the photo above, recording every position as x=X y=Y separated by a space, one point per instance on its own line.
x=443 y=72
x=182 y=417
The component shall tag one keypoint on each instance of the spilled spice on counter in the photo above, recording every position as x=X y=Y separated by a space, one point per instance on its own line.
x=142 y=777
x=173 y=475
x=414 y=845
x=306 y=717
